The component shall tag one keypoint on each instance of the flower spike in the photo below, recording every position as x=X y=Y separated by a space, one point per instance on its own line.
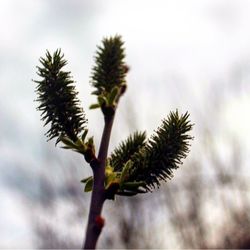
x=58 y=99
x=163 y=152
x=110 y=69
x=108 y=74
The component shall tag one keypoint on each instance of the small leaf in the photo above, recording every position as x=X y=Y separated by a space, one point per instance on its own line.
x=90 y=141
x=133 y=185
x=125 y=171
x=84 y=135
x=89 y=185
x=110 y=176
x=67 y=141
x=86 y=179
x=109 y=170
x=66 y=147
x=102 y=100
x=96 y=92
x=127 y=193
x=113 y=95
x=94 y=106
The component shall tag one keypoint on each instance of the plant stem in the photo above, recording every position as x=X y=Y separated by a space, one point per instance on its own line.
x=94 y=226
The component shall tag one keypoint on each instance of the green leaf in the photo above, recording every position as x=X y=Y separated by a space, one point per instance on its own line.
x=94 y=106
x=127 y=193
x=113 y=95
x=96 y=92
x=89 y=185
x=102 y=100
x=86 y=179
x=90 y=141
x=68 y=142
x=125 y=171
x=84 y=135
x=133 y=185
x=110 y=176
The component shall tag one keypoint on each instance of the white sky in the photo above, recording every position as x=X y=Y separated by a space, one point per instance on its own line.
x=178 y=52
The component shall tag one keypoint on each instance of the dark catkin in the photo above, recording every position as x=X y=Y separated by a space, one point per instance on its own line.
x=57 y=98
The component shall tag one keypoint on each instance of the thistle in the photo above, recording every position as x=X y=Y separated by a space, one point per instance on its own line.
x=138 y=164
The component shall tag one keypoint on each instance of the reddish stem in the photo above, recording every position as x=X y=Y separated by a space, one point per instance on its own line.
x=94 y=226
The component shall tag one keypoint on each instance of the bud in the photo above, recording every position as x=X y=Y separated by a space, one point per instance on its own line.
x=99 y=222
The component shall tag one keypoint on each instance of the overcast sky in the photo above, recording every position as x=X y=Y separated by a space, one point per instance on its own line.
x=182 y=54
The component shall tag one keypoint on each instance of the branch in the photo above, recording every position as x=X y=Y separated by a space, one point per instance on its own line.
x=109 y=80
x=95 y=221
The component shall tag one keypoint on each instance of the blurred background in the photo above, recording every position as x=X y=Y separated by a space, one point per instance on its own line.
x=187 y=55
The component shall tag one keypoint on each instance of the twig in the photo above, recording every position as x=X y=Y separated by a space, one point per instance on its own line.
x=95 y=221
